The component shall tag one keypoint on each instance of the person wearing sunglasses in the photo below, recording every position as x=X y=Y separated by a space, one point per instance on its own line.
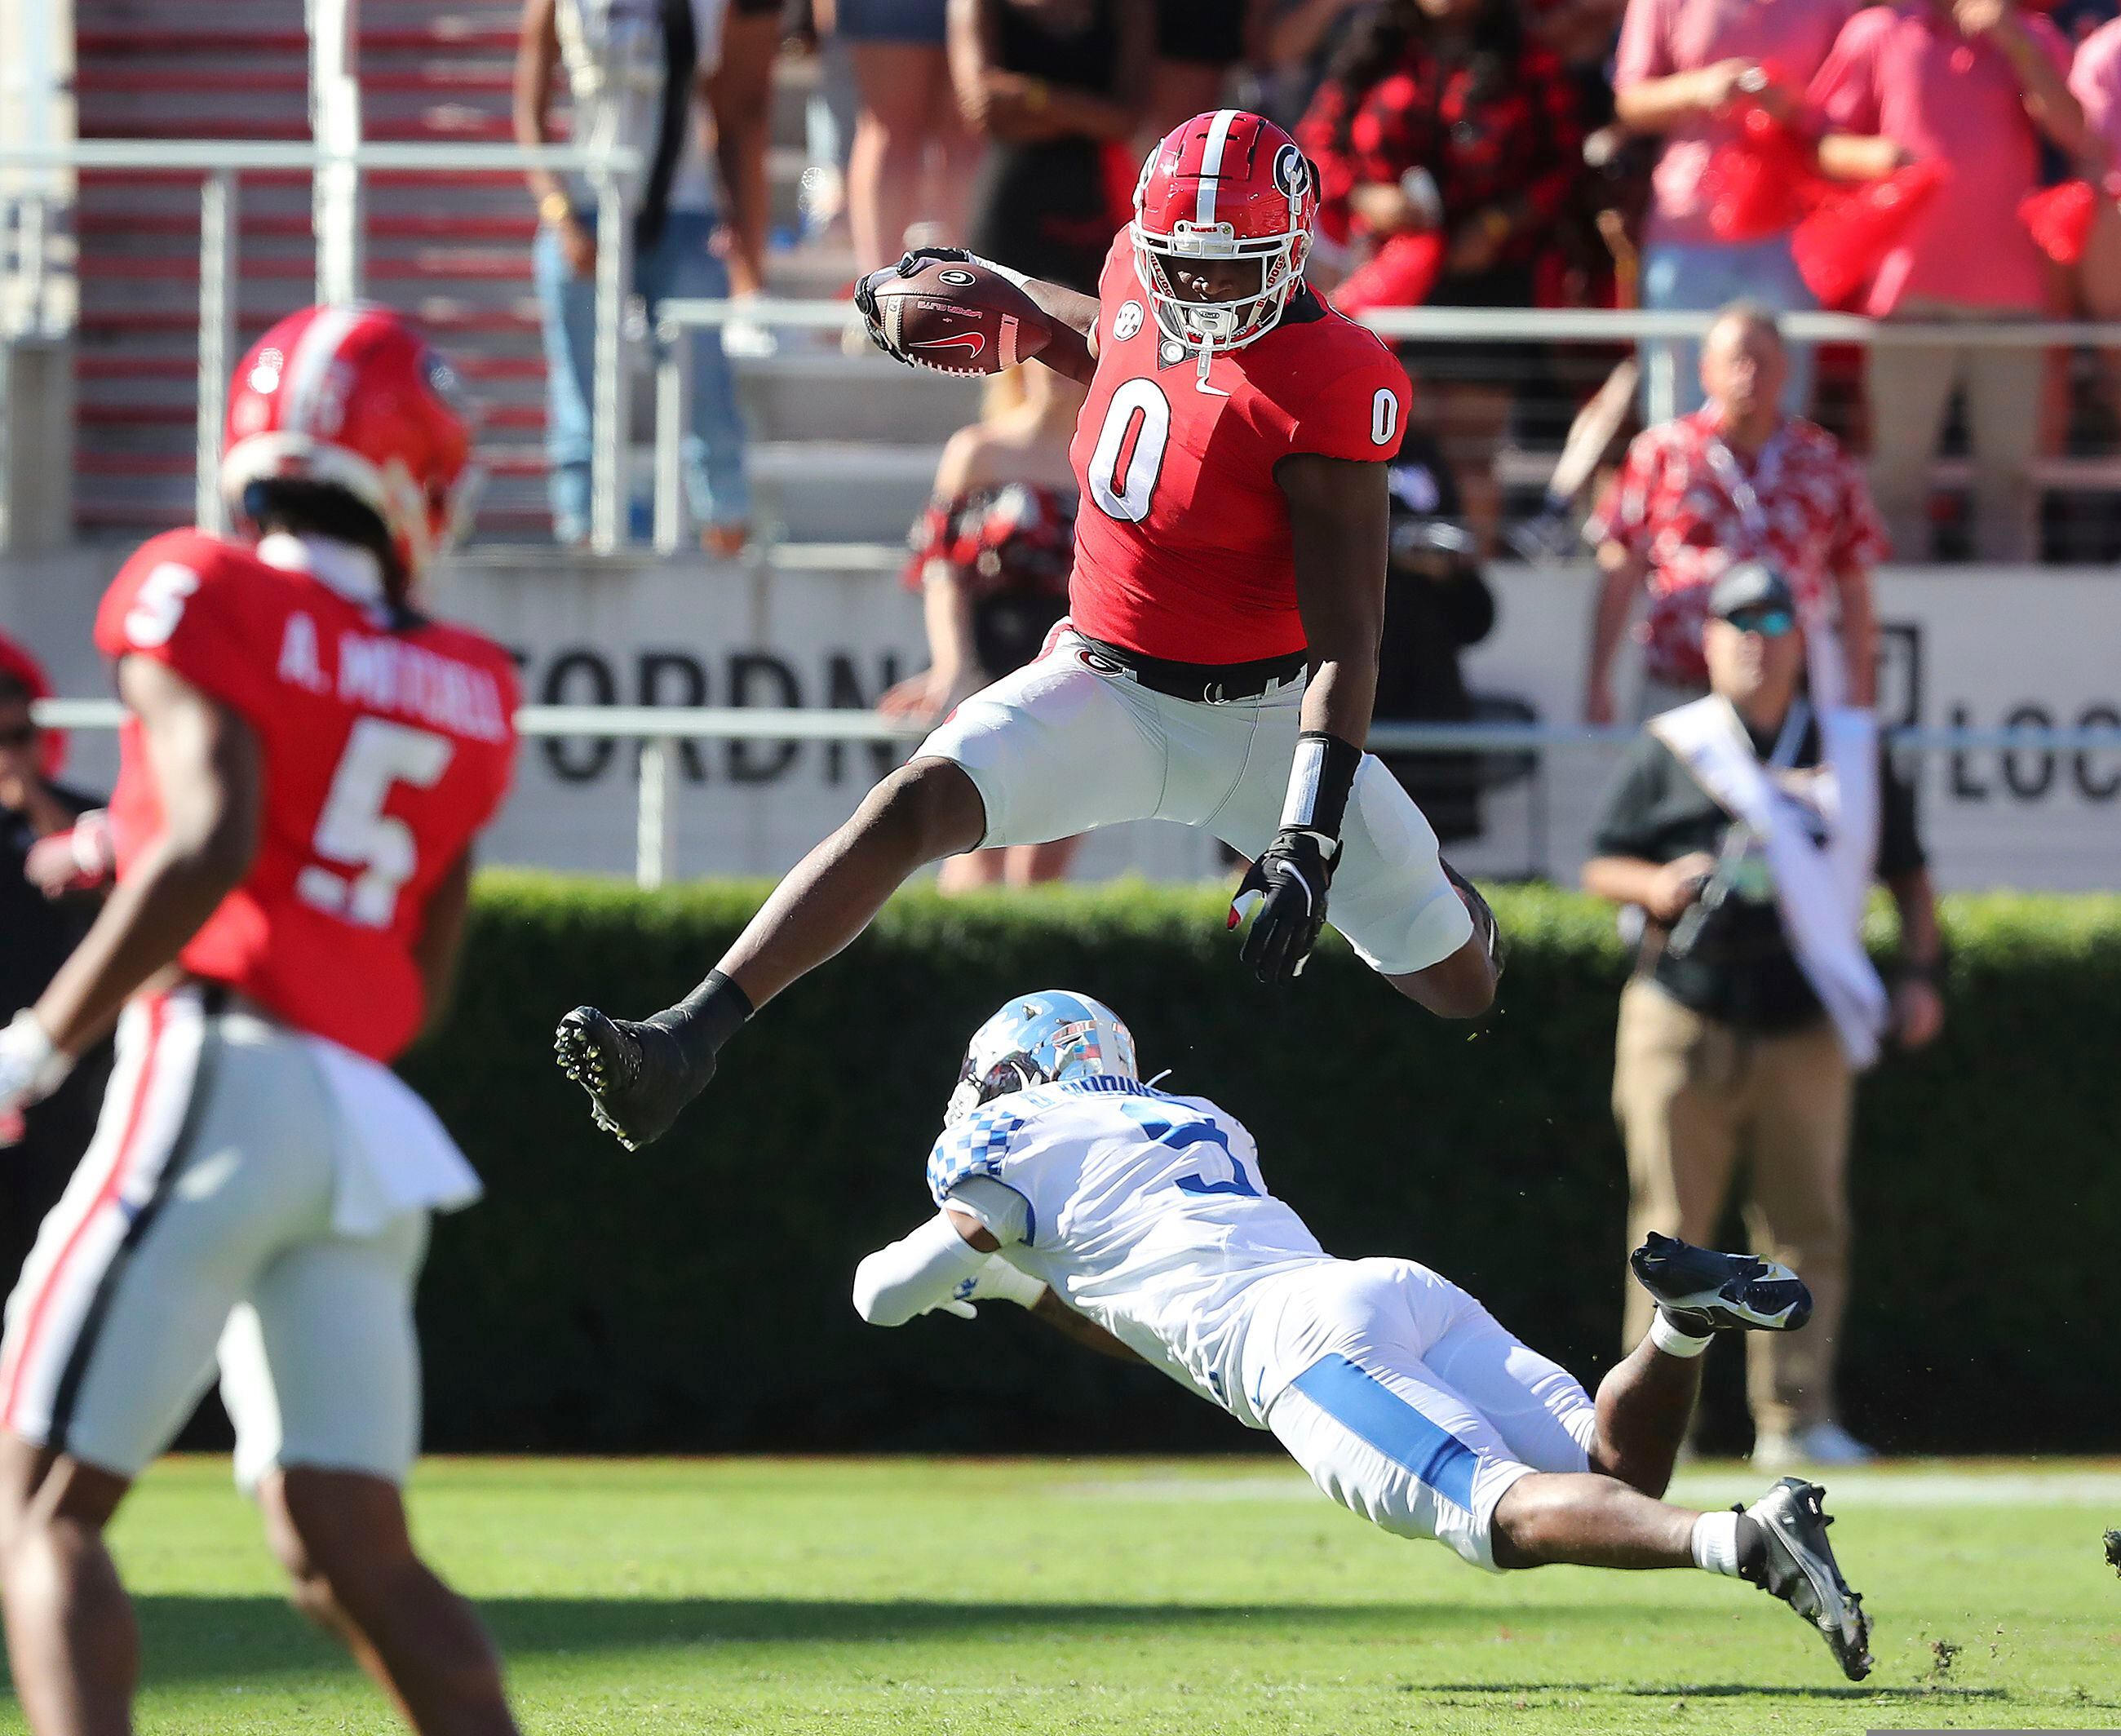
x=1743 y=833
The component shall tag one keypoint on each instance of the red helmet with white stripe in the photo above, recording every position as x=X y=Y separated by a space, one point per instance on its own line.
x=1225 y=185
x=352 y=398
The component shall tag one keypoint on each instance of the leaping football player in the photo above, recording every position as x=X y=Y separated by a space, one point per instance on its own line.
x=305 y=762
x=1219 y=663
x=1137 y=1223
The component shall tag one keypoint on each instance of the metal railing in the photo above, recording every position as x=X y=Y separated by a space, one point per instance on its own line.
x=1522 y=324
x=222 y=165
x=660 y=729
x=678 y=318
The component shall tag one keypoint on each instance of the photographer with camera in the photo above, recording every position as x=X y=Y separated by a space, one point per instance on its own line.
x=1746 y=828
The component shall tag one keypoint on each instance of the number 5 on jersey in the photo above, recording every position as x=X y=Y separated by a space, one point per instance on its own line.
x=380 y=852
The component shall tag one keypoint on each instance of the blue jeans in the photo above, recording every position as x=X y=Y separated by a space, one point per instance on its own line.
x=679 y=264
x=1687 y=276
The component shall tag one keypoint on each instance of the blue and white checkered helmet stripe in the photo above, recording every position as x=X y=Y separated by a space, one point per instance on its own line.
x=1037 y=1039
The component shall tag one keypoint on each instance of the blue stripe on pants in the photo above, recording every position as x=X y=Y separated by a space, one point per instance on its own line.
x=1366 y=1408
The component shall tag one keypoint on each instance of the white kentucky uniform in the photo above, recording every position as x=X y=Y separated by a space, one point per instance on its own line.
x=1398 y=1392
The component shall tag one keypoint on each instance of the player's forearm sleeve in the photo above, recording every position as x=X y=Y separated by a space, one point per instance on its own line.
x=915 y=1274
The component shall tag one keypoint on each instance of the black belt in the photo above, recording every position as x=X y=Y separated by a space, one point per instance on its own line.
x=1205 y=683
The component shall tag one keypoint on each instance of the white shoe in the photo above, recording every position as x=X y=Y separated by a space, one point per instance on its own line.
x=1816 y=1444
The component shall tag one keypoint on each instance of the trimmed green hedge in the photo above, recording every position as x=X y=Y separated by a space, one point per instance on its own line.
x=694 y=1297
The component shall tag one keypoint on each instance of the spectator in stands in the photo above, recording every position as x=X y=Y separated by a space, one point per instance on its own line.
x=1440 y=116
x=1685 y=69
x=1975 y=85
x=1200 y=43
x=1741 y=827
x=1300 y=40
x=637 y=76
x=911 y=160
x=1579 y=32
x=1437 y=603
x=39 y=1149
x=991 y=556
x=740 y=98
x=1055 y=89
x=2094 y=80
x=1736 y=480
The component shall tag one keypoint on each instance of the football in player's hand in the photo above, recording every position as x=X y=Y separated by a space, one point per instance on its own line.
x=959 y=318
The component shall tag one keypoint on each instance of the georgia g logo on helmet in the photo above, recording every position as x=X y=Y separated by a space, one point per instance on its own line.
x=1292 y=172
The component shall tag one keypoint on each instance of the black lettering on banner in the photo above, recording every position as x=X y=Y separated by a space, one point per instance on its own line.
x=2042 y=779
x=1963 y=785
x=2095 y=788
x=1899 y=673
x=757 y=762
x=692 y=690
x=572 y=759
x=843 y=693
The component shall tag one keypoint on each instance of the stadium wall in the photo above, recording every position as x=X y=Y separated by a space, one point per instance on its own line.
x=1977 y=647
x=694 y=1297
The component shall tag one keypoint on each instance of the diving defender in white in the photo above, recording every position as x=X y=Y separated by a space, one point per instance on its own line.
x=1136 y=1222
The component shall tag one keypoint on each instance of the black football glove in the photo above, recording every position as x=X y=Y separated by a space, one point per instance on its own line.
x=908 y=264
x=1287 y=884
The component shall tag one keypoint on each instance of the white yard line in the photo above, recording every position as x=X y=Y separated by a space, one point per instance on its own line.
x=1927 y=1485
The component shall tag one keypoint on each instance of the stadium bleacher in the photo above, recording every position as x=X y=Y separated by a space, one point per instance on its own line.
x=847 y=464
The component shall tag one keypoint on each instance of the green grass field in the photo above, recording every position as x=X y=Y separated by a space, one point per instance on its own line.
x=907 y=1596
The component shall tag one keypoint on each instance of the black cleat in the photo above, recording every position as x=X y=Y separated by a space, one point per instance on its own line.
x=637 y=1077
x=1800 y=1569
x=1702 y=1292
x=2113 y=1550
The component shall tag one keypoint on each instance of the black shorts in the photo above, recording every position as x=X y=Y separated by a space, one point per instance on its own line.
x=1479 y=362
x=756 y=8
x=1201 y=32
x=1042 y=210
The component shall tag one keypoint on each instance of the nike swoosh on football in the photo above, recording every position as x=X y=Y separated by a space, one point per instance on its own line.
x=972 y=342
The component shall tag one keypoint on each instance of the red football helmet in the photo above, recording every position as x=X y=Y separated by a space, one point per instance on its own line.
x=353 y=397
x=1225 y=185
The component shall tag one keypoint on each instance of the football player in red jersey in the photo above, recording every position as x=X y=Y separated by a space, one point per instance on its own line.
x=1220 y=661
x=305 y=763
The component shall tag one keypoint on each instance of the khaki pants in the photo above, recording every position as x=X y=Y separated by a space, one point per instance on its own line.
x=1911 y=388
x=1692 y=1097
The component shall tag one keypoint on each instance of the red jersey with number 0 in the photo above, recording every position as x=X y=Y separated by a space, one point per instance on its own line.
x=384 y=752
x=1182 y=541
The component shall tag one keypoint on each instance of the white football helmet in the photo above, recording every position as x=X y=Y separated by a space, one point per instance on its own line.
x=1037 y=1039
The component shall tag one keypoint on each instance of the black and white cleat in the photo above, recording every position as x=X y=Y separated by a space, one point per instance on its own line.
x=1800 y=1569
x=638 y=1079
x=1701 y=1291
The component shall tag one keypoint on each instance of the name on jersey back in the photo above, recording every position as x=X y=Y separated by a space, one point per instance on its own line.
x=384 y=672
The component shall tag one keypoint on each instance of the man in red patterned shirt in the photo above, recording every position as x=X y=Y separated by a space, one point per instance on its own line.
x=1736 y=480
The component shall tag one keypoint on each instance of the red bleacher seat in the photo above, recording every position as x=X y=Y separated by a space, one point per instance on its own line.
x=454 y=249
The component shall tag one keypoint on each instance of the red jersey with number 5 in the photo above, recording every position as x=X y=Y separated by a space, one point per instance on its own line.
x=1182 y=541
x=386 y=749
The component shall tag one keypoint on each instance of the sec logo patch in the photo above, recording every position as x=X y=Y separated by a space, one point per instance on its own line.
x=1127 y=321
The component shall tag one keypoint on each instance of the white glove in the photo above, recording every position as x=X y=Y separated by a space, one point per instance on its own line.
x=997 y=1281
x=935 y=1267
x=31 y=1070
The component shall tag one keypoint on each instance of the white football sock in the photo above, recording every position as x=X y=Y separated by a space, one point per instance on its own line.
x=1715 y=1542
x=1671 y=1340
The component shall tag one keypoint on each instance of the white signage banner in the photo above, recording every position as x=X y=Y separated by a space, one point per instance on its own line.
x=1979 y=647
